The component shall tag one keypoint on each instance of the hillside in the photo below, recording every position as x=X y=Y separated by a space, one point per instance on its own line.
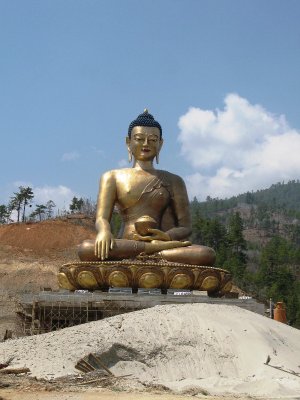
x=48 y=237
x=31 y=253
x=257 y=237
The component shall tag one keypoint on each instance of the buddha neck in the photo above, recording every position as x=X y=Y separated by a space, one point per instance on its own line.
x=143 y=165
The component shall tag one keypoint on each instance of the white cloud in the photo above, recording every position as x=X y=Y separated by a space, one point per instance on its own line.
x=73 y=155
x=61 y=195
x=243 y=147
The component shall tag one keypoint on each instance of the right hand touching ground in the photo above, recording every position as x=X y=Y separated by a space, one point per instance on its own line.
x=103 y=244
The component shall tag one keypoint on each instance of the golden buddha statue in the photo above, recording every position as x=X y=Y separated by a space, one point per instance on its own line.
x=152 y=249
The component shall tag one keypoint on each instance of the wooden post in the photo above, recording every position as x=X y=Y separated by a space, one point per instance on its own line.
x=32 y=318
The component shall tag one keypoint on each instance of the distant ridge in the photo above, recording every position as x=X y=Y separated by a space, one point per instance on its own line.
x=284 y=197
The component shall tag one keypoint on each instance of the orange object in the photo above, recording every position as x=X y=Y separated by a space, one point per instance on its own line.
x=280 y=312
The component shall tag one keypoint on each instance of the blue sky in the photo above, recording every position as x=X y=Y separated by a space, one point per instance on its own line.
x=222 y=78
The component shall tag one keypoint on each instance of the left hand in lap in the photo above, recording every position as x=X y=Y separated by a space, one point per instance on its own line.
x=155 y=234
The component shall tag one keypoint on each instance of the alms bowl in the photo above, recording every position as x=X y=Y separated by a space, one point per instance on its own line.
x=143 y=224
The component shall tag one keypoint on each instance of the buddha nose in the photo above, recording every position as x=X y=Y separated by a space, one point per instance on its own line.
x=145 y=140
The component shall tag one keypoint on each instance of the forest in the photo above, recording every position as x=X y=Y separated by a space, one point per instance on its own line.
x=256 y=236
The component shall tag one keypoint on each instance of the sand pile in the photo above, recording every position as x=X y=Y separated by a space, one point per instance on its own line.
x=221 y=349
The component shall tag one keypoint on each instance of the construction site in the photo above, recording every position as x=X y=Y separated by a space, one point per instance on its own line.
x=31 y=300
x=50 y=311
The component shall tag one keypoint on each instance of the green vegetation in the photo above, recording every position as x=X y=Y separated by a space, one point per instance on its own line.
x=283 y=197
x=268 y=263
x=20 y=201
x=228 y=241
x=4 y=214
x=43 y=211
x=76 y=204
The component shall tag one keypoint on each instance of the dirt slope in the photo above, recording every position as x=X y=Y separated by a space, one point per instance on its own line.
x=46 y=237
x=30 y=256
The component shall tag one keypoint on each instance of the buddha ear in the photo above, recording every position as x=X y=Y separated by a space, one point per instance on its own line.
x=161 y=142
x=158 y=150
x=129 y=149
x=128 y=142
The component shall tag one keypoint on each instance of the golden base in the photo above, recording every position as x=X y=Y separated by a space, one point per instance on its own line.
x=143 y=274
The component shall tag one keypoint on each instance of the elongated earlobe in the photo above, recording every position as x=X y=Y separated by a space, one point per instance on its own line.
x=129 y=156
x=158 y=150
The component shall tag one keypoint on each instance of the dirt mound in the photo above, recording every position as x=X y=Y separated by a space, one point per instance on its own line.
x=50 y=235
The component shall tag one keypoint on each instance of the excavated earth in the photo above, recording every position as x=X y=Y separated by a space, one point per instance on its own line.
x=30 y=256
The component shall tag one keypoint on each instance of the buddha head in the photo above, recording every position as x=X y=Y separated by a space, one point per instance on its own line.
x=144 y=139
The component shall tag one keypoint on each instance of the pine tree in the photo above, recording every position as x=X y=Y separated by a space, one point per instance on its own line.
x=4 y=214
x=76 y=204
x=20 y=200
x=27 y=196
x=15 y=203
x=40 y=210
x=237 y=246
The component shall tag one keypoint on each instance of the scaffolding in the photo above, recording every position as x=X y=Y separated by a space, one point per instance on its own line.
x=51 y=311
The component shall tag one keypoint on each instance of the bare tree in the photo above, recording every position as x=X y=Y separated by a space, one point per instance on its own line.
x=49 y=208
x=89 y=207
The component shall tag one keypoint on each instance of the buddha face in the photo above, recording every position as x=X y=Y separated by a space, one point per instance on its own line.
x=144 y=143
